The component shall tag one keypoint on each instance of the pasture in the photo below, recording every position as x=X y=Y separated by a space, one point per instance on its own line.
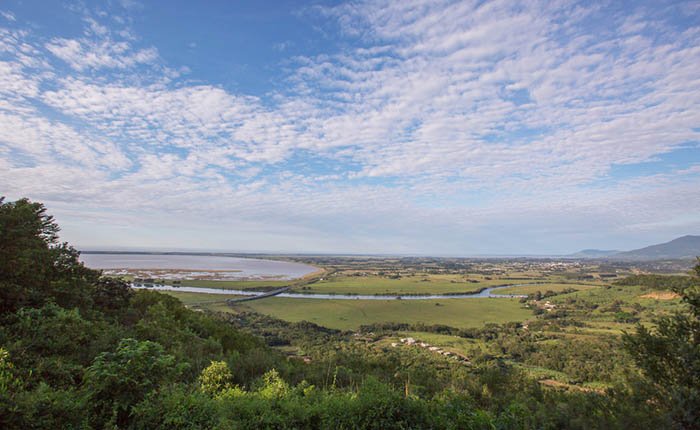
x=189 y=299
x=233 y=285
x=555 y=287
x=351 y=314
x=410 y=284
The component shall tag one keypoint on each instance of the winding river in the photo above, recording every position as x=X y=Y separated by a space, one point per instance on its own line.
x=224 y=267
x=484 y=294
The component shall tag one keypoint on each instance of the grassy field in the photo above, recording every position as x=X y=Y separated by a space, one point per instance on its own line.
x=593 y=313
x=603 y=319
x=628 y=294
x=530 y=289
x=447 y=342
x=350 y=314
x=418 y=284
x=247 y=284
x=194 y=298
x=233 y=285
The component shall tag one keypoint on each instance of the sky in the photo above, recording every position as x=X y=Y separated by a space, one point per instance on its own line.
x=421 y=127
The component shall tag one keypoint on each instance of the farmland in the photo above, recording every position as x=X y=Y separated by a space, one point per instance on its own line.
x=199 y=298
x=544 y=287
x=574 y=288
x=364 y=283
x=571 y=307
x=563 y=334
x=351 y=314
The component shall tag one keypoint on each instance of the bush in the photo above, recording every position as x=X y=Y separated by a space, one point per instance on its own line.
x=119 y=380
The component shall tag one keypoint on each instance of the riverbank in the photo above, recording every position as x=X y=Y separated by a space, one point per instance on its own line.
x=484 y=293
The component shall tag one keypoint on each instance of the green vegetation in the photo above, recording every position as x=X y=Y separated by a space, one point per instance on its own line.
x=79 y=351
x=605 y=307
x=397 y=284
x=200 y=298
x=351 y=314
x=669 y=356
x=454 y=343
x=232 y=285
x=544 y=288
x=657 y=282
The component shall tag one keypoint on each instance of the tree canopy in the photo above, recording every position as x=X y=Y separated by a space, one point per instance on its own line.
x=34 y=265
x=669 y=356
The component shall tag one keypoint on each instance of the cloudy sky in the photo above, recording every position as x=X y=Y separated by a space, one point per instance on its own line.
x=416 y=126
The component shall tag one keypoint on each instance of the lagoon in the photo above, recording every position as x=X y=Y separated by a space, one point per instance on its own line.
x=183 y=266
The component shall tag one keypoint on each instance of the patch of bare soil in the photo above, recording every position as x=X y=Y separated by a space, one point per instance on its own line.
x=661 y=295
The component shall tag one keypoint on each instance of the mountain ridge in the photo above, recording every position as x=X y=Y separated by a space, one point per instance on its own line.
x=593 y=253
x=687 y=246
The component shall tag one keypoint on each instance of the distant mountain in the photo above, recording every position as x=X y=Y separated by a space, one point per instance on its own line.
x=593 y=253
x=683 y=247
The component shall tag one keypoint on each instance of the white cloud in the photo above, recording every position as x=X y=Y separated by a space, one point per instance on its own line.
x=196 y=117
x=441 y=91
x=13 y=82
x=98 y=49
x=8 y=15
x=82 y=55
x=443 y=123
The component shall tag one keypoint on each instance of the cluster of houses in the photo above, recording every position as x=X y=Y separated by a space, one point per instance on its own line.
x=409 y=341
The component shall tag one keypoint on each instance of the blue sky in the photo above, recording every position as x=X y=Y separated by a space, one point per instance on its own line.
x=413 y=127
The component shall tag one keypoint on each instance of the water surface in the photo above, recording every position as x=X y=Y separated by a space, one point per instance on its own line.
x=167 y=266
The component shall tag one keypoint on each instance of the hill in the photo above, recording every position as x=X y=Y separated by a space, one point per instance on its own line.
x=593 y=253
x=682 y=247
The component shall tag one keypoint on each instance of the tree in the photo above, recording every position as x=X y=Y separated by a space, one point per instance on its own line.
x=111 y=295
x=216 y=378
x=669 y=357
x=273 y=386
x=55 y=343
x=34 y=266
x=117 y=381
x=26 y=233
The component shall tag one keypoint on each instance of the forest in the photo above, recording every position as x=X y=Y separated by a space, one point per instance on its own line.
x=79 y=350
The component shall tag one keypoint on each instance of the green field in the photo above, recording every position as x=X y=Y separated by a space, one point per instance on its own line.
x=195 y=298
x=592 y=313
x=233 y=285
x=556 y=287
x=350 y=314
x=447 y=342
x=416 y=284
x=462 y=313
x=628 y=294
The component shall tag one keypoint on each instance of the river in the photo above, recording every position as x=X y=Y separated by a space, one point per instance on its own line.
x=484 y=294
x=212 y=267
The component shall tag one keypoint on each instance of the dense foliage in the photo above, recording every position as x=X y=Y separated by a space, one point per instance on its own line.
x=669 y=357
x=81 y=351
x=657 y=282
